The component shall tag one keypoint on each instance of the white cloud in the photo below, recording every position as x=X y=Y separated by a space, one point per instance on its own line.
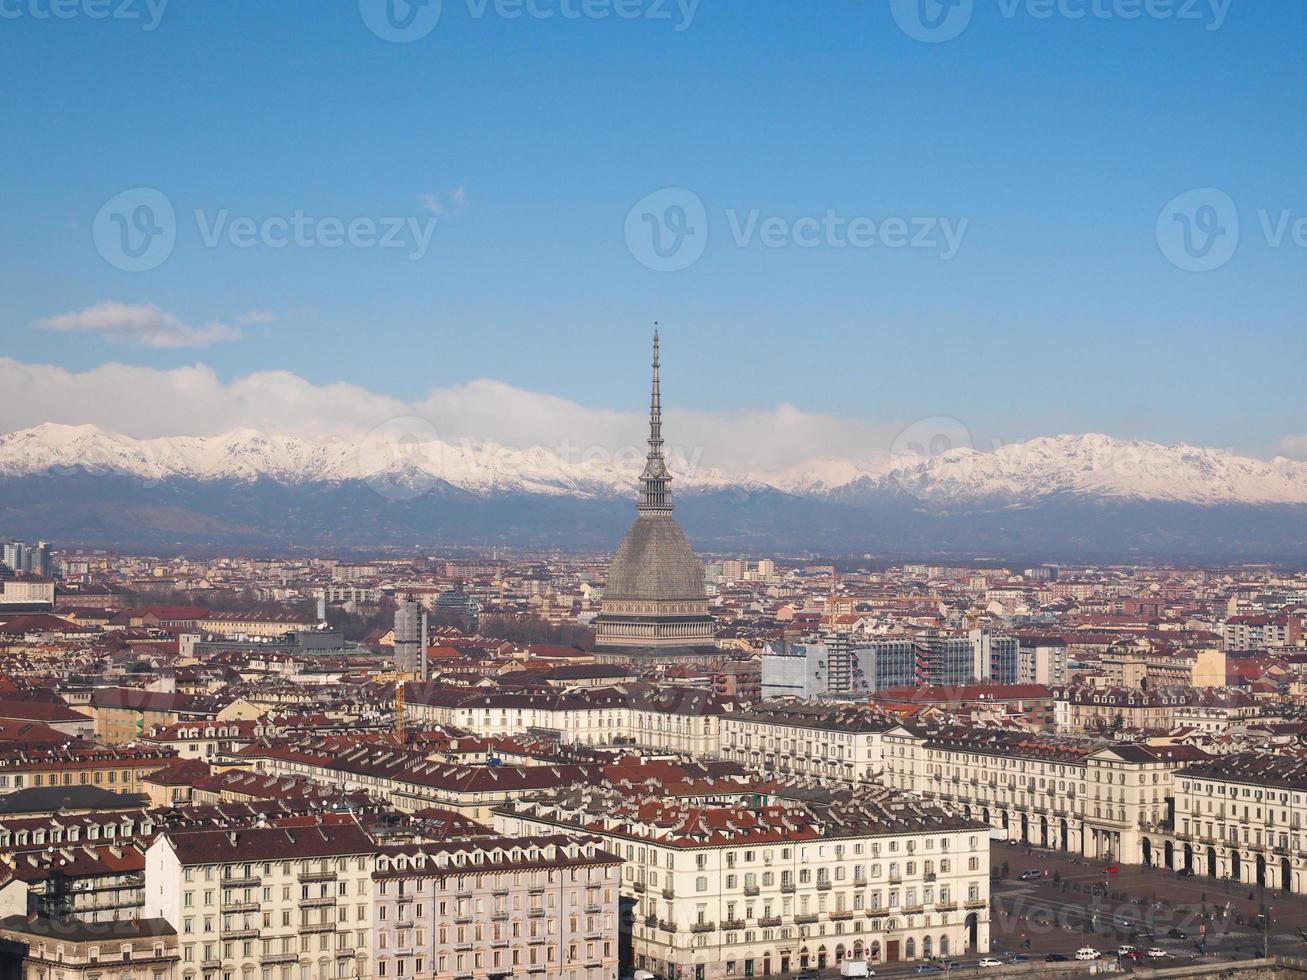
x=1294 y=447
x=445 y=202
x=195 y=401
x=142 y=324
x=253 y=317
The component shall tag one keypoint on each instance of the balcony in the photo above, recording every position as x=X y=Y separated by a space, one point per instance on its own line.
x=271 y=959
x=805 y=918
x=731 y=925
x=976 y=903
x=210 y=964
x=306 y=876
x=650 y=921
x=238 y=908
x=639 y=887
x=322 y=901
x=769 y=921
x=666 y=926
x=499 y=915
x=703 y=927
x=895 y=878
x=945 y=906
x=669 y=893
x=928 y=876
x=751 y=890
x=912 y=909
x=318 y=927
x=823 y=885
x=787 y=887
x=240 y=934
x=251 y=882
x=536 y=913
x=840 y=914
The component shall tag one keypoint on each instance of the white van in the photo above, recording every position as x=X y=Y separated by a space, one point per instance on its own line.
x=856 y=968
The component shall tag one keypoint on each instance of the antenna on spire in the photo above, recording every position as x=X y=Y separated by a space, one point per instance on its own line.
x=655 y=482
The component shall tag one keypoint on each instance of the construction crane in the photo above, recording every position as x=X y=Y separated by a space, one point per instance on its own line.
x=398 y=678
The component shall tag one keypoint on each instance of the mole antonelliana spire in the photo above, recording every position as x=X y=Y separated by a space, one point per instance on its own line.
x=655 y=607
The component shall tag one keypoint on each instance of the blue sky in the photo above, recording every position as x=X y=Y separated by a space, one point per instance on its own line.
x=1053 y=142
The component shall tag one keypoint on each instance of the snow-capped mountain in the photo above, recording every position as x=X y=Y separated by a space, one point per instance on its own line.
x=395 y=455
x=1093 y=466
x=1061 y=497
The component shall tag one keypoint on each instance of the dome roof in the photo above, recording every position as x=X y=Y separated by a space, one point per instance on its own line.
x=655 y=562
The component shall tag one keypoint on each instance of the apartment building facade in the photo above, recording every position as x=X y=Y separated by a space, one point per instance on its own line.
x=543 y=906
x=807 y=738
x=1093 y=797
x=727 y=887
x=266 y=903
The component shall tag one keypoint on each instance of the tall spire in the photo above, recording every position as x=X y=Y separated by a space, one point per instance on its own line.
x=655 y=483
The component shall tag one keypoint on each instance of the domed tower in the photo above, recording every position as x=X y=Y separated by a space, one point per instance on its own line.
x=655 y=608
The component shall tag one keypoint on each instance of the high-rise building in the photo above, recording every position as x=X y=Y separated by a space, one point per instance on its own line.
x=411 y=637
x=655 y=606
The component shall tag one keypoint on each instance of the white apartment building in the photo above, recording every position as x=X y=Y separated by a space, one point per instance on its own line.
x=1090 y=796
x=731 y=884
x=683 y=720
x=1239 y=817
x=807 y=738
x=266 y=903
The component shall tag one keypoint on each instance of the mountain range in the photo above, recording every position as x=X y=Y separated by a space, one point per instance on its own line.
x=1050 y=498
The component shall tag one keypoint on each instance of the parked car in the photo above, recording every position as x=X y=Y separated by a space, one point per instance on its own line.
x=1031 y=874
x=1176 y=934
x=856 y=968
x=1157 y=952
x=926 y=968
x=1055 y=958
x=809 y=975
x=1185 y=873
x=1088 y=953
x=1112 y=869
x=989 y=961
x=1126 y=948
